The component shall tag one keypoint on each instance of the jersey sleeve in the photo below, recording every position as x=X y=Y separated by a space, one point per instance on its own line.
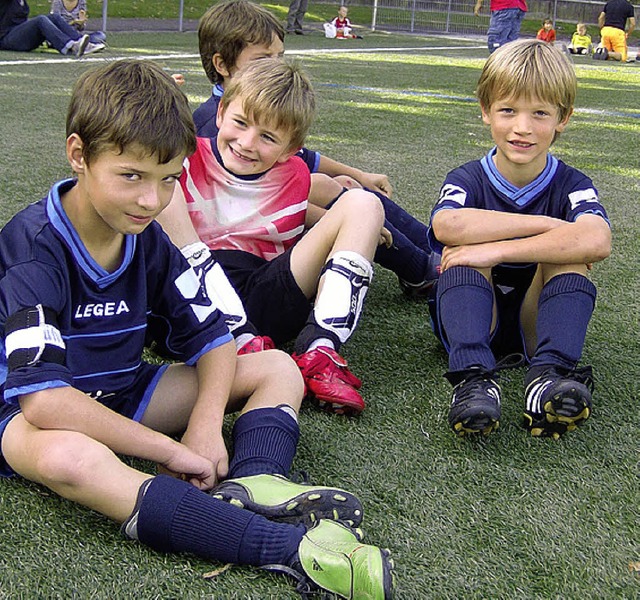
x=33 y=350
x=183 y=319
x=582 y=199
x=456 y=192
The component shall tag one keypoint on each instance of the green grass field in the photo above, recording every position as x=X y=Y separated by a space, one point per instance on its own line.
x=508 y=517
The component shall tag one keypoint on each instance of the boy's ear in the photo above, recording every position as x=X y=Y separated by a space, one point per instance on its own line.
x=287 y=154
x=561 y=126
x=220 y=114
x=75 y=157
x=219 y=65
x=485 y=115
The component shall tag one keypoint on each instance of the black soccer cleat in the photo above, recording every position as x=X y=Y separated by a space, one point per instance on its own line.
x=475 y=405
x=557 y=400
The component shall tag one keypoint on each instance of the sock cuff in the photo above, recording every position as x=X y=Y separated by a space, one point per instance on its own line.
x=259 y=418
x=568 y=283
x=458 y=276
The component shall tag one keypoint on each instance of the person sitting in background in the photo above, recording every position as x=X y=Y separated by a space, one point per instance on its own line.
x=580 y=41
x=75 y=13
x=21 y=34
x=547 y=33
x=340 y=27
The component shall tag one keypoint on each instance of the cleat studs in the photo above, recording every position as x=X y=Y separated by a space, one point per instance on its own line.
x=314 y=497
x=357 y=513
x=291 y=506
x=339 y=498
x=336 y=516
x=236 y=502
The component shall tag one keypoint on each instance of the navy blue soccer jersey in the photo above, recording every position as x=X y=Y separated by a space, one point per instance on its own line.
x=67 y=321
x=560 y=191
x=204 y=118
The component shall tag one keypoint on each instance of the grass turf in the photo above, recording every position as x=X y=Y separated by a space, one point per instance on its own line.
x=506 y=517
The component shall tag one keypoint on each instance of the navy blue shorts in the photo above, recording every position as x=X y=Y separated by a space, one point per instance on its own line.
x=132 y=402
x=510 y=285
x=273 y=301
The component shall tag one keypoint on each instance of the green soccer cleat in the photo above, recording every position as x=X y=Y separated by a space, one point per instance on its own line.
x=279 y=499
x=330 y=557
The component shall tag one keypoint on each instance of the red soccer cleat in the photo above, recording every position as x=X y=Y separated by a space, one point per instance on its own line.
x=329 y=382
x=257 y=344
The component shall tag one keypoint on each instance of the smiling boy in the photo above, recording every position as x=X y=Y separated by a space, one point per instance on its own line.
x=518 y=230
x=246 y=193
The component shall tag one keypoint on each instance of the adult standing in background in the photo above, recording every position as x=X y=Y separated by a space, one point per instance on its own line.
x=504 y=24
x=616 y=22
x=297 y=8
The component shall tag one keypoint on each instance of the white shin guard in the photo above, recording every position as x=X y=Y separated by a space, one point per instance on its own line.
x=345 y=282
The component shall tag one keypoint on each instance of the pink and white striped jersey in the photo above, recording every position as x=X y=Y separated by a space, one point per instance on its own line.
x=262 y=214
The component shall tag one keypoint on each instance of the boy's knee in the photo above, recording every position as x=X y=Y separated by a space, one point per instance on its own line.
x=361 y=204
x=278 y=366
x=71 y=461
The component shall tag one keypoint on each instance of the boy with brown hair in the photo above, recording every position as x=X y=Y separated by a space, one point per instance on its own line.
x=518 y=232
x=80 y=271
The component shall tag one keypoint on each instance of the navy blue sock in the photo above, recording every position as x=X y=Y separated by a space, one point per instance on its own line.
x=404 y=258
x=415 y=231
x=265 y=441
x=465 y=305
x=174 y=516
x=564 y=309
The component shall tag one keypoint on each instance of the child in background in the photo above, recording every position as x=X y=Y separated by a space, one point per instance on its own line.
x=341 y=27
x=75 y=13
x=547 y=33
x=580 y=41
x=79 y=272
x=518 y=232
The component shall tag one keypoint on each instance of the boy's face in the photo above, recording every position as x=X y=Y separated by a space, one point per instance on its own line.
x=548 y=25
x=127 y=190
x=247 y=147
x=582 y=30
x=523 y=131
x=343 y=11
x=251 y=53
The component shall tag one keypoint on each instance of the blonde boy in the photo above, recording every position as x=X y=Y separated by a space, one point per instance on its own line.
x=518 y=231
x=246 y=194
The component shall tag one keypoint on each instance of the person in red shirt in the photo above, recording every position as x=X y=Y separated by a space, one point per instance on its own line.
x=547 y=33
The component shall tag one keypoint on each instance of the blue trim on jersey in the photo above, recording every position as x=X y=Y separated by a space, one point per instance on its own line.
x=148 y=394
x=104 y=334
x=5 y=469
x=218 y=91
x=60 y=221
x=520 y=196
x=210 y=346
x=103 y=373
x=10 y=394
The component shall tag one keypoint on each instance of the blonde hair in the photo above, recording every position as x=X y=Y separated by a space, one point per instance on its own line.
x=528 y=69
x=275 y=92
x=131 y=103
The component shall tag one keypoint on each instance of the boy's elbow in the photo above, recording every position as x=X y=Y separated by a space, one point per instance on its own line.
x=446 y=227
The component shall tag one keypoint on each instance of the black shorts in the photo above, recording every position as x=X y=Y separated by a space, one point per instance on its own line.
x=510 y=284
x=273 y=301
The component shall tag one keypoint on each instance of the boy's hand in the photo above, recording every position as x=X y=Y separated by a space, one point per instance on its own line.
x=213 y=448
x=474 y=255
x=377 y=182
x=186 y=464
x=386 y=238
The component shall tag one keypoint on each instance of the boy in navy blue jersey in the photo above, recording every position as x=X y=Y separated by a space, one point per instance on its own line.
x=233 y=33
x=82 y=272
x=518 y=231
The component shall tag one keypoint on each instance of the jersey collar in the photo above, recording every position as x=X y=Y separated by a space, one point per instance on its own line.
x=519 y=196
x=61 y=223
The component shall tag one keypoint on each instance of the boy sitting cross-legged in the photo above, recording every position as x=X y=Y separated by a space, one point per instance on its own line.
x=246 y=194
x=518 y=231
x=233 y=33
x=80 y=271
